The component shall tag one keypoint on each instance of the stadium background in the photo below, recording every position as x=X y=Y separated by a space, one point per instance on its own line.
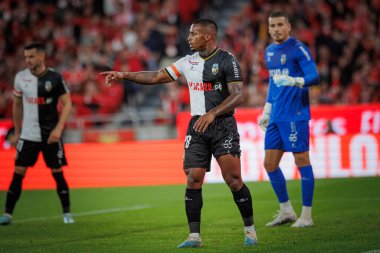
x=85 y=37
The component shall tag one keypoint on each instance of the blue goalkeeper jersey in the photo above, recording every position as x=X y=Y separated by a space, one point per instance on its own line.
x=292 y=58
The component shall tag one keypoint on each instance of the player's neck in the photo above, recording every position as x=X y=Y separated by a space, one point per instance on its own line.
x=208 y=51
x=282 y=41
x=39 y=71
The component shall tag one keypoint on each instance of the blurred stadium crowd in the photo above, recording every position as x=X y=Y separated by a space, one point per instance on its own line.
x=83 y=37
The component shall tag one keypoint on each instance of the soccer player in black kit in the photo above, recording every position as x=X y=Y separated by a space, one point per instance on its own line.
x=215 y=82
x=37 y=90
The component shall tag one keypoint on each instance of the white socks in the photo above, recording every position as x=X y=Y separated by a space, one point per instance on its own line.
x=286 y=207
x=196 y=235
x=249 y=228
x=306 y=212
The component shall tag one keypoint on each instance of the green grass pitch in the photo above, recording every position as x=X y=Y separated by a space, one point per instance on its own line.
x=152 y=219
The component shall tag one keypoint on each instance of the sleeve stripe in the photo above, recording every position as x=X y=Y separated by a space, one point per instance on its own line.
x=235 y=81
x=176 y=72
x=17 y=93
x=305 y=53
x=167 y=72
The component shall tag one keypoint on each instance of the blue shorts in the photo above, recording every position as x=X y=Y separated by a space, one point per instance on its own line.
x=290 y=136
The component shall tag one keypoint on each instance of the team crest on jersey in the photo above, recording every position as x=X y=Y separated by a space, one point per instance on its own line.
x=215 y=68
x=283 y=59
x=48 y=86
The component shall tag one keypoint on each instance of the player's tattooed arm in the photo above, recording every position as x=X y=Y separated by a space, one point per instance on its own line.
x=17 y=115
x=235 y=99
x=142 y=77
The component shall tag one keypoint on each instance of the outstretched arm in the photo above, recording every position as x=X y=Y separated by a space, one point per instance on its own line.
x=143 y=77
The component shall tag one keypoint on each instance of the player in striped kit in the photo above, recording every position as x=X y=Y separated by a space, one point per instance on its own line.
x=286 y=116
x=37 y=91
x=215 y=82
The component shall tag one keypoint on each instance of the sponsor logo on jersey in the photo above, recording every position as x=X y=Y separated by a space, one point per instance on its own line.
x=200 y=86
x=205 y=86
x=283 y=59
x=236 y=71
x=274 y=72
x=218 y=86
x=39 y=100
x=215 y=68
x=193 y=62
x=48 y=86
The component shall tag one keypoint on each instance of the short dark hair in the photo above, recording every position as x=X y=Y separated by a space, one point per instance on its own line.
x=206 y=21
x=278 y=14
x=37 y=45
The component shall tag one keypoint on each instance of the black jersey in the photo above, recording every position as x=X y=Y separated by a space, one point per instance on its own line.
x=40 y=97
x=207 y=78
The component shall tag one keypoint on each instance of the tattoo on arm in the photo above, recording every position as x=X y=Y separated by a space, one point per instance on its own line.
x=147 y=77
x=235 y=99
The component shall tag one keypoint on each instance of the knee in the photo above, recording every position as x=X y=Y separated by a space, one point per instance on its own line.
x=20 y=170
x=270 y=166
x=56 y=170
x=194 y=182
x=302 y=161
x=234 y=183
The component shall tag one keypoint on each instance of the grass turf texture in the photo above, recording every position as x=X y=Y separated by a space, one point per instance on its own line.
x=346 y=214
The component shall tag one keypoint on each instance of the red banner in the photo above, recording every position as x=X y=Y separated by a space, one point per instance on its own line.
x=340 y=120
x=106 y=165
x=351 y=149
x=345 y=142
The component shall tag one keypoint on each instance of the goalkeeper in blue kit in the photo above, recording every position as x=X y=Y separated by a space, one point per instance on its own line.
x=286 y=117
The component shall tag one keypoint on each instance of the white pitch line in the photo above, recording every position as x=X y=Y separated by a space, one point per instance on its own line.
x=96 y=212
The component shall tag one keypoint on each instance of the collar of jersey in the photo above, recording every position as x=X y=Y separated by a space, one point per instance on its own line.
x=283 y=44
x=211 y=55
x=42 y=74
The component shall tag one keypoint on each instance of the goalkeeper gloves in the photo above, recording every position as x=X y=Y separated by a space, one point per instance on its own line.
x=284 y=80
x=264 y=120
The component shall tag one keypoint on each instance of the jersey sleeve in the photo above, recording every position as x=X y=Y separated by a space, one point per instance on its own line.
x=307 y=65
x=233 y=70
x=62 y=87
x=176 y=69
x=17 y=87
x=270 y=81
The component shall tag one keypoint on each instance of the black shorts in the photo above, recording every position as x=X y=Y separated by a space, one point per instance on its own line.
x=28 y=151
x=220 y=138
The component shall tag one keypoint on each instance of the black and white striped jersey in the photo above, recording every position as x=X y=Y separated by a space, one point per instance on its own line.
x=207 y=78
x=40 y=96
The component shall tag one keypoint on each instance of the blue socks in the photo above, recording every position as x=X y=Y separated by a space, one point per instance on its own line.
x=278 y=182
x=307 y=181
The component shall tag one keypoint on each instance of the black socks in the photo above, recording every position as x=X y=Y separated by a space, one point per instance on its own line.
x=243 y=200
x=14 y=192
x=193 y=203
x=63 y=191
